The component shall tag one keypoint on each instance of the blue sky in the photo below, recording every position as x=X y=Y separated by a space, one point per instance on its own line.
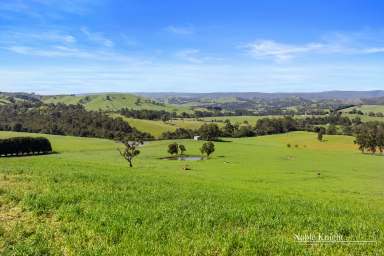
x=78 y=46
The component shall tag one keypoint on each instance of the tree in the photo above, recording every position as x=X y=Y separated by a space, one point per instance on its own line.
x=173 y=148
x=380 y=138
x=165 y=118
x=209 y=132
x=208 y=148
x=130 y=150
x=320 y=136
x=228 y=129
x=320 y=133
x=17 y=127
x=182 y=149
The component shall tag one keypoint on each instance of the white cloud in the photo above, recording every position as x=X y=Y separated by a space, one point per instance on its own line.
x=61 y=51
x=190 y=55
x=189 y=77
x=179 y=30
x=279 y=51
x=334 y=43
x=97 y=38
x=374 y=50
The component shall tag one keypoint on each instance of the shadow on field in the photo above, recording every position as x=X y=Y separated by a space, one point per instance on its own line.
x=373 y=154
x=221 y=140
x=26 y=155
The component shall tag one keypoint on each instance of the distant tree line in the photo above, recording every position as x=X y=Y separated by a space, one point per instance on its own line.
x=371 y=113
x=24 y=146
x=267 y=126
x=370 y=137
x=148 y=114
x=64 y=119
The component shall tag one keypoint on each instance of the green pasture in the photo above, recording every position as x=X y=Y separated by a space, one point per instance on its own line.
x=367 y=108
x=251 y=198
x=111 y=102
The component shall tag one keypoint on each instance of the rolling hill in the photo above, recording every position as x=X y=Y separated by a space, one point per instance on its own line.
x=112 y=102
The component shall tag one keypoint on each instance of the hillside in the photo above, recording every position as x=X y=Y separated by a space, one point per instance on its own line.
x=367 y=108
x=111 y=102
x=156 y=128
x=250 y=198
x=336 y=95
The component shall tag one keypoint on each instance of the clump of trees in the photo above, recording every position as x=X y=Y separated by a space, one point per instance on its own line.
x=370 y=137
x=63 y=119
x=174 y=148
x=208 y=148
x=148 y=114
x=179 y=133
x=24 y=146
x=130 y=151
x=209 y=132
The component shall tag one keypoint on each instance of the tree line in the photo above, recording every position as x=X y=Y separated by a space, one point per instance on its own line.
x=268 y=126
x=64 y=119
x=148 y=114
x=24 y=146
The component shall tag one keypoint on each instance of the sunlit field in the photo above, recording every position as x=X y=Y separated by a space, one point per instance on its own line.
x=250 y=198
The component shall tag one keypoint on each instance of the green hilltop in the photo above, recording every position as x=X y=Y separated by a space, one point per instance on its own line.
x=112 y=102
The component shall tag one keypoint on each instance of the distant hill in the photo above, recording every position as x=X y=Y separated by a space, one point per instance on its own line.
x=9 y=97
x=335 y=95
x=110 y=101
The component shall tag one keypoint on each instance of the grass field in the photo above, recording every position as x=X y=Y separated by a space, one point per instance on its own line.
x=114 y=102
x=367 y=108
x=250 y=198
x=157 y=127
x=365 y=118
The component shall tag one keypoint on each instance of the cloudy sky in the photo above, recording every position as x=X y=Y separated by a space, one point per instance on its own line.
x=77 y=46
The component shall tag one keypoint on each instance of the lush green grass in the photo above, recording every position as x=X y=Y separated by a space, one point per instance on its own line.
x=156 y=128
x=367 y=108
x=115 y=101
x=250 y=198
x=365 y=118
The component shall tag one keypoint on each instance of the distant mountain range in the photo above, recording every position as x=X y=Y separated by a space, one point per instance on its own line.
x=336 y=95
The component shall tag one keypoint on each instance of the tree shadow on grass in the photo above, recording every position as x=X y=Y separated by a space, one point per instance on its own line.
x=373 y=154
x=222 y=140
x=26 y=155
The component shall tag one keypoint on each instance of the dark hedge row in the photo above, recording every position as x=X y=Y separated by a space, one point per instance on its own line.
x=24 y=146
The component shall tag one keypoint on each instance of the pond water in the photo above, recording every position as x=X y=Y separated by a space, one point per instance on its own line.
x=184 y=158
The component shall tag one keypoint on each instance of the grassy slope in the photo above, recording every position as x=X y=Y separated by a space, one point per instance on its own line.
x=367 y=108
x=365 y=118
x=117 y=101
x=250 y=198
x=156 y=128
